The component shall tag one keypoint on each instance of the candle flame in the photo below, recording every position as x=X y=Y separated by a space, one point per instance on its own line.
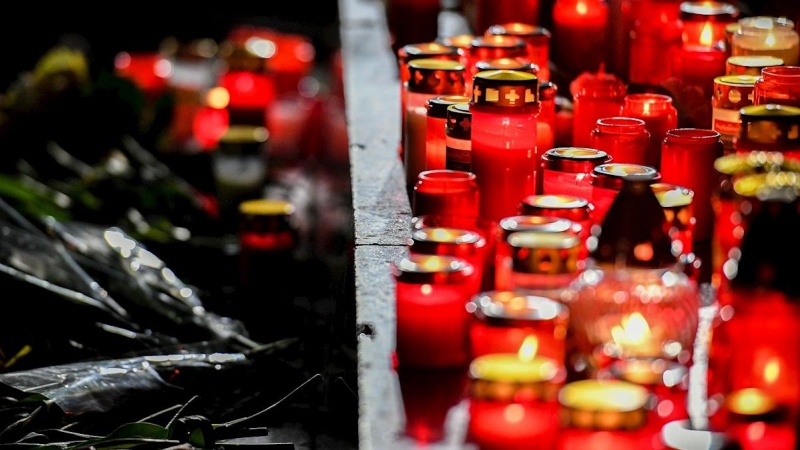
x=218 y=98
x=441 y=235
x=646 y=108
x=770 y=40
x=432 y=264
x=581 y=8
x=707 y=35
x=772 y=370
x=527 y=351
x=514 y=413
x=633 y=330
x=426 y=289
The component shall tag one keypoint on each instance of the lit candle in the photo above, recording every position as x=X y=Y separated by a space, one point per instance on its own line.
x=211 y=122
x=250 y=85
x=704 y=23
x=659 y=116
x=462 y=243
x=428 y=397
x=750 y=402
x=432 y=323
x=537 y=40
x=268 y=235
x=436 y=148
x=779 y=85
x=567 y=170
x=768 y=36
x=603 y=405
x=511 y=403
x=486 y=48
x=458 y=138
x=580 y=26
x=594 y=96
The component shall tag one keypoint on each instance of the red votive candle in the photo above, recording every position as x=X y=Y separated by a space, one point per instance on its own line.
x=594 y=96
x=458 y=138
x=503 y=319
x=268 y=235
x=624 y=138
x=148 y=70
x=582 y=27
x=446 y=193
x=521 y=64
x=432 y=322
x=466 y=244
x=696 y=68
x=501 y=262
x=704 y=23
x=659 y=115
x=504 y=108
x=544 y=262
x=577 y=210
x=771 y=128
x=607 y=181
x=512 y=397
x=679 y=216
x=778 y=85
x=430 y=78
x=687 y=159
x=655 y=30
x=491 y=12
x=546 y=123
x=487 y=48
x=568 y=170
x=436 y=149
x=537 y=41
x=731 y=94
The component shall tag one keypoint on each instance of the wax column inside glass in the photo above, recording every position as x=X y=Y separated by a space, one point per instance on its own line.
x=504 y=108
x=656 y=30
x=567 y=170
x=435 y=150
x=544 y=262
x=581 y=26
x=537 y=41
x=659 y=115
x=429 y=78
x=432 y=322
x=625 y=139
x=486 y=48
x=446 y=193
x=512 y=398
x=595 y=96
x=513 y=224
x=697 y=149
x=778 y=85
x=579 y=211
x=458 y=138
x=731 y=94
x=607 y=182
x=768 y=36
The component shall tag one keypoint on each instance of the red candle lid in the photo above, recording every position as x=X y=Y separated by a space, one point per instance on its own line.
x=574 y=159
x=432 y=269
x=610 y=176
x=446 y=241
x=568 y=207
x=515 y=309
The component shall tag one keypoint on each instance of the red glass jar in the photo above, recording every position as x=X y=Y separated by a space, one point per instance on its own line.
x=607 y=180
x=460 y=41
x=678 y=214
x=568 y=170
x=250 y=86
x=774 y=128
x=624 y=138
x=429 y=394
x=430 y=78
x=489 y=13
x=771 y=36
x=582 y=27
x=704 y=23
x=659 y=115
x=504 y=109
x=268 y=236
x=778 y=85
x=687 y=159
x=466 y=244
x=436 y=148
x=594 y=96
x=542 y=263
x=458 y=138
x=731 y=94
x=577 y=210
x=655 y=29
x=501 y=261
x=486 y=48
x=546 y=123
x=432 y=323
x=521 y=64
x=446 y=193
x=750 y=64
x=148 y=70
x=537 y=40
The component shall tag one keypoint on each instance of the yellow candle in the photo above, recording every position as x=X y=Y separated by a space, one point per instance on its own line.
x=750 y=402
x=604 y=404
x=522 y=367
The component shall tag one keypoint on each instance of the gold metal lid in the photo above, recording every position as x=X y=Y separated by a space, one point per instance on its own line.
x=446 y=241
x=437 y=106
x=520 y=64
x=603 y=405
x=737 y=80
x=505 y=89
x=568 y=207
x=266 y=207
x=677 y=203
x=518 y=29
x=574 y=159
x=458 y=41
x=543 y=224
x=751 y=64
x=436 y=76
x=431 y=269
x=535 y=252
x=426 y=49
x=611 y=175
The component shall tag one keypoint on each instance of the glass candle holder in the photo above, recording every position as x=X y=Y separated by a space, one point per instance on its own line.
x=537 y=42
x=659 y=115
x=750 y=64
x=423 y=13
x=582 y=27
x=594 y=96
x=501 y=263
x=655 y=29
x=458 y=138
x=624 y=138
x=521 y=12
x=731 y=94
x=696 y=149
x=429 y=394
x=446 y=193
x=486 y=48
x=430 y=78
x=546 y=123
x=503 y=319
x=268 y=236
x=432 y=323
x=679 y=215
x=459 y=41
x=466 y=244
x=568 y=170
x=504 y=109
x=544 y=263
x=768 y=36
x=770 y=127
x=704 y=23
x=512 y=399
x=148 y=70
x=607 y=180
x=778 y=85
x=577 y=210
x=436 y=148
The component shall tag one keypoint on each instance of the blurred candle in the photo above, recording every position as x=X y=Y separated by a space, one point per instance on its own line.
x=432 y=323
x=769 y=127
x=731 y=94
x=435 y=149
x=659 y=115
x=504 y=109
x=487 y=48
x=594 y=96
x=148 y=70
x=424 y=14
x=577 y=210
x=768 y=36
x=582 y=27
x=544 y=262
x=687 y=159
x=567 y=170
x=607 y=181
x=466 y=244
x=704 y=23
x=679 y=215
x=458 y=138
x=624 y=138
x=537 y=41
x=779 y=85
x=446 y=193
x=656 y=30
x=750 y=64
x=492 y=12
